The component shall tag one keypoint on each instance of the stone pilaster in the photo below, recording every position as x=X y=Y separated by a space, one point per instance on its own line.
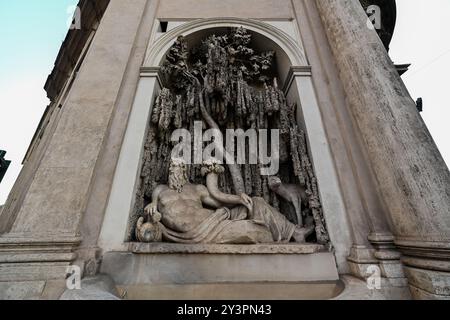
x=411 y=175
x=45 y=233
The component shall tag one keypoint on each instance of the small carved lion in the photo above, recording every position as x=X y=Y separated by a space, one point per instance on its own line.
x=292 y=193
x=149 y=231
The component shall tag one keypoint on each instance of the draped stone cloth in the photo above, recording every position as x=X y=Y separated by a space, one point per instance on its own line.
x=232 y=226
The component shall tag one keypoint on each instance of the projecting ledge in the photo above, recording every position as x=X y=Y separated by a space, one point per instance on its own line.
x=160 y=263
x=169 y=248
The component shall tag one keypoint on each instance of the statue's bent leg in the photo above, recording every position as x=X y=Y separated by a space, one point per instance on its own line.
x=281 y=228
x=244 y=232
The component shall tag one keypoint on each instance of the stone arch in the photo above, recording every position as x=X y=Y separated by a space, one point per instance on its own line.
x=293 y=69
x=289 y=52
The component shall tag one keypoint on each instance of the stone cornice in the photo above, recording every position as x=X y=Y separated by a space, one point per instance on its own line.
x=389 y=17
x=152 y=72
x=295 y=71
x=156 y=50
x=91 y=14
x=21 y=248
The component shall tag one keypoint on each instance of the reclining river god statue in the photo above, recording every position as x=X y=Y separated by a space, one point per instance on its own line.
x=181 y=212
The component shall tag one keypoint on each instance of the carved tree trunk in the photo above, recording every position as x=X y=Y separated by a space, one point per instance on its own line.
x=236 y=174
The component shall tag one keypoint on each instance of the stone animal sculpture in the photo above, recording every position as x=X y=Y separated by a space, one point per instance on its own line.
x=292 y=193
x=225 y=83
x=149 y=231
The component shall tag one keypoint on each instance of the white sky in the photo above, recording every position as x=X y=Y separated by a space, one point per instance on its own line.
x=422 y=38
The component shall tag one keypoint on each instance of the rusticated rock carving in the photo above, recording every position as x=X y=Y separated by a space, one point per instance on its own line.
x=226 y=84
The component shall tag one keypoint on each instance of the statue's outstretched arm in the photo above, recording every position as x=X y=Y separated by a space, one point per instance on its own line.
x=211 y=169
x=208 y=200
x=226 y=199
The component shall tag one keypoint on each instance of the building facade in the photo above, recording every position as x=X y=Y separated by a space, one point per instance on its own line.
x=382 y=187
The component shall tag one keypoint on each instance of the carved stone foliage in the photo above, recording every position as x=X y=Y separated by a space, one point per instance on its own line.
x=227 y=84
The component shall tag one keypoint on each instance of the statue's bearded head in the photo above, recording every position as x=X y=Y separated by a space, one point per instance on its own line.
x=177 y=175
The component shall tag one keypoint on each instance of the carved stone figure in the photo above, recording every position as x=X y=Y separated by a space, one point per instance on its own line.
x=190 y=213
x=225 y=83
x=149 y=231
x=292 y=193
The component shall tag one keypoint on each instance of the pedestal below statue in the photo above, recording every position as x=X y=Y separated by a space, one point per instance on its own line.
x=179 y=271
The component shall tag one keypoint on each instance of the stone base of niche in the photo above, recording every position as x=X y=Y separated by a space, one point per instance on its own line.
x=162 y=248
x=159 y=270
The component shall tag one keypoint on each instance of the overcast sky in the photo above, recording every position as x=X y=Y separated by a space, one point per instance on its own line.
x=31 y=32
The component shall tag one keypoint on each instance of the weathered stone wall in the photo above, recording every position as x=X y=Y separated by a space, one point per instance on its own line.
x=248 y=9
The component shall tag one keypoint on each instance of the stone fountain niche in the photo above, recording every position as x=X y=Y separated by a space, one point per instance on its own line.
x=223 y=79
x=159 y=267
